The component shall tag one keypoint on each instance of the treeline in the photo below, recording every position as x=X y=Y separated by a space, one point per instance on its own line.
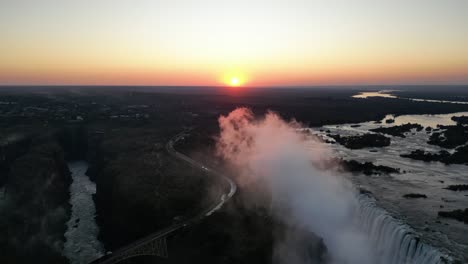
x=140 y=188
x=35 y=205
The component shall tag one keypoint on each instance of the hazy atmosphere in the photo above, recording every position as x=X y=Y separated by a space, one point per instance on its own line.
x=177 y=42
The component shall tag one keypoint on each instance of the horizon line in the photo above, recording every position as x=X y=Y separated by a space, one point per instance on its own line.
x=223 y=86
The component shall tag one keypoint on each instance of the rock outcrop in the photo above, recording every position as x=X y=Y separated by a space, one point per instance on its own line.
x=459 y=214
x=362 y=141
x=398 y=131
x=368 y=168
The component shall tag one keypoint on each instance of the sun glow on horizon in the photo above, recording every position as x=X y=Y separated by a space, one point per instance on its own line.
x=234 y=79
x=233 y=43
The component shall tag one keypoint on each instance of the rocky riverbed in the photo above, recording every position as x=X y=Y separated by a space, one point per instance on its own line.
x=446 y=230
x=82 y=244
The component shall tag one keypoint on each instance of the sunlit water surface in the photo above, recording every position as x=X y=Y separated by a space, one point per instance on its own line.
x=388 y=94
x=383 y=93
x=82 y=244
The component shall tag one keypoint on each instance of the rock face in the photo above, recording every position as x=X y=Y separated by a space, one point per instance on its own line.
x=37 y=206
x=398 y=131
x=368 y=168
x=362 y=141
x=9 y=152
x=365 y=192
x=298 y=244
x=459 y=214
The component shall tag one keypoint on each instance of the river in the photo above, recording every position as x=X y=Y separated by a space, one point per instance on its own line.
x=428 y=178
x=388 y=94
x=82 y=244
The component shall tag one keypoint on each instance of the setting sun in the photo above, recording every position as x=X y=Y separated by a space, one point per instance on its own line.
x=234 y=81
x=234 y=78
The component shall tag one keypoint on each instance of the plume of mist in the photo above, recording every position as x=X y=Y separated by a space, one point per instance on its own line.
x=273 y=153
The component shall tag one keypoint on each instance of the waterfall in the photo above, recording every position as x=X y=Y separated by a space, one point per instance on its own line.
x=394 y=242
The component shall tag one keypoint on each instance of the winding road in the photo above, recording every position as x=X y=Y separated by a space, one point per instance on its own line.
x=125 y=252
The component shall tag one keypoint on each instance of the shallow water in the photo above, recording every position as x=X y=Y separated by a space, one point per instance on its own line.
x=435 y=101
x=384 y=93
x=428 y=178
x=82 y=244
x=388 y=94
x=425 y=120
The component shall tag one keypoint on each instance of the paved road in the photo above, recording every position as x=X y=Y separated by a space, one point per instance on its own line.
x=111 y=258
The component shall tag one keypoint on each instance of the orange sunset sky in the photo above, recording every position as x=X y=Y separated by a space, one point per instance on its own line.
x=214 y=42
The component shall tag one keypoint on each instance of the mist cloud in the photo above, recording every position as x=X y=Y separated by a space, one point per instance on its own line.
x=274 y=157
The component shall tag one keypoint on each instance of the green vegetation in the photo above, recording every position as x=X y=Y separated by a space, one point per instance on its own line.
x=459 y=214
x=135 y=176
x=459 y=156
x=461 y=120
x=122 y=132
x=415 y=195
x=458 y=187
x=362 y=141
x=36 y=206
x=398 y=131
x=368 y=168
x=450 y=137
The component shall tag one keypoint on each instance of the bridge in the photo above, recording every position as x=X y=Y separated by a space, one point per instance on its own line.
x=155 y=243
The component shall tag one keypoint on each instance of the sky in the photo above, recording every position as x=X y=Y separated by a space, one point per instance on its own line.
x=242 y=42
